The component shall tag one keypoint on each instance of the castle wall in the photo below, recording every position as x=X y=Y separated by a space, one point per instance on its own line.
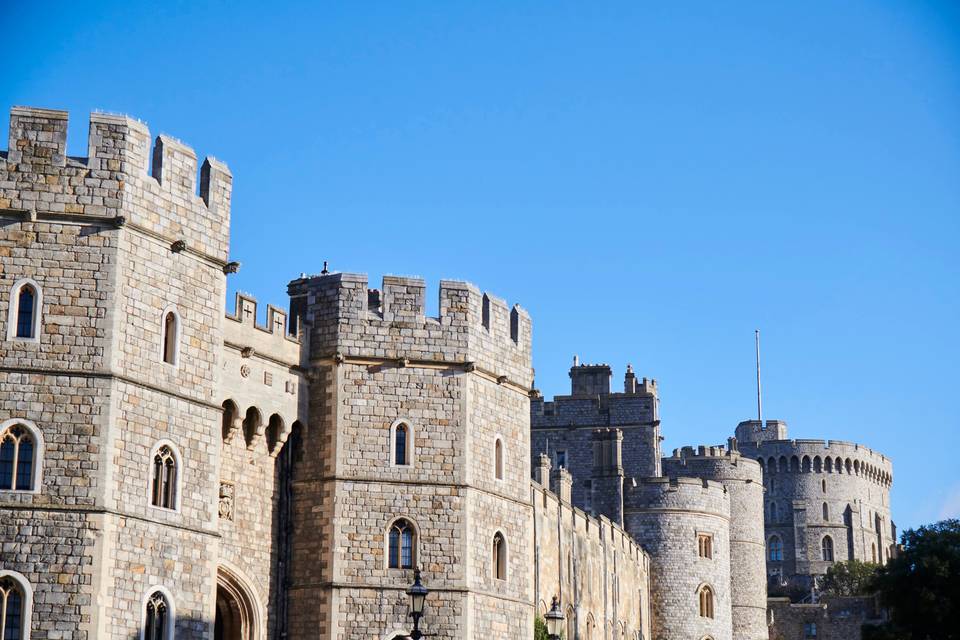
x=666 y=516
x=833 y=618
x=595 y=569
x=743 y=480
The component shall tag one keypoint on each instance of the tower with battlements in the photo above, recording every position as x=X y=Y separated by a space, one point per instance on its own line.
x=825 y=501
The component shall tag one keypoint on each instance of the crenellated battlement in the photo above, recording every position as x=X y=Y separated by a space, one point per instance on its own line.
x=477 y=329
x=677 y=493
x=115 y=180
x=718 y=462
x=821 y=456
x=272 y=341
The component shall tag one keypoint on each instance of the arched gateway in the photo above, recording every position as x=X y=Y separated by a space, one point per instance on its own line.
x=238 y=616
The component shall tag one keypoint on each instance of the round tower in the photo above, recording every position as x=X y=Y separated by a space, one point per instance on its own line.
x=826 y=502
x=743 y=479
x=684 y=524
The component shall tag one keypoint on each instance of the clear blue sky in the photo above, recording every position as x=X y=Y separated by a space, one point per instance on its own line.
x=652 y=181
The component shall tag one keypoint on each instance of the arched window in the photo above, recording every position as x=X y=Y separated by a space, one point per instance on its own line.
x=499 y=557
x=828 y=465
x=18 y=451
x=23 y=314
x=498 y=458
x=171 y=336
x=706 y=602
x=158 y=620
x=571 y=624
x=774 y=516
x=823 y=486
x=873 y=550
x=401 y=545
x=826 y=548
x=775 y=549
x=13 y=609
x=826 y=512
x=164 y=487
x=401 y=444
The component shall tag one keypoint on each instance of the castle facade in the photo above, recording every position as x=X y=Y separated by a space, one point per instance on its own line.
x=169 y=470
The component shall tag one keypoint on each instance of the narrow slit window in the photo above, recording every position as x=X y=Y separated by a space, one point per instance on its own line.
x=499 y=557
x=171 y=330
x=401 y=437
x=26 y=308
x=498 y=458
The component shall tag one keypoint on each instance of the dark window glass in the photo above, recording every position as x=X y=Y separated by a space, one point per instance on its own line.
x=25 y=464
x=170 y=338
x=401 y=552
x=156 y=628
x=164 y=479
x=400 y=451
x=6 y=463
x=25 y=312
x=11 y=602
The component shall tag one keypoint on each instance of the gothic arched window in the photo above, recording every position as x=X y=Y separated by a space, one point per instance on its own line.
x=826 y=512
x=499 y=557
x=401 y=551
x=18 y=450
x=157 y=623
x=775 y=549
x=164 y=487
x=706 y=602
x=23 y=313
x=826 y=548
x=13 y=617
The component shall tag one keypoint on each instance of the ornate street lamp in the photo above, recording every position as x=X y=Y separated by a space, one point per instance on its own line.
x=554 y=620
x=418 y=598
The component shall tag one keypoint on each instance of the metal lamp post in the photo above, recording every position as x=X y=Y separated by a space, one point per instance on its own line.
x=554 y=619
x=418 y=598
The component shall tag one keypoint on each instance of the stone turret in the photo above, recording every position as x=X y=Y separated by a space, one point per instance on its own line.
x=743 y=480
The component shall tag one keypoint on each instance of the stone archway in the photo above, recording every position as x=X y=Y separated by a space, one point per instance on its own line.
x=237 y=615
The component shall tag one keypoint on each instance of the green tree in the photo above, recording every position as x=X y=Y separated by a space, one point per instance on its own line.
x=921 y=587
x=540 y=629
x=853 y=578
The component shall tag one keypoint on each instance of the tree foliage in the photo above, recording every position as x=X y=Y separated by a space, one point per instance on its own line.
x=540 y=629
x=921 y=586
x=852 y=578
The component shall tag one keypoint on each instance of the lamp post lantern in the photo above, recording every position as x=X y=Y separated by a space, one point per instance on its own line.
x=554 y=620
x=418 y=598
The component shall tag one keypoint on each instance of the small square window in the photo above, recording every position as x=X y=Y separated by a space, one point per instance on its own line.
x=705 y=545
x=561 y=459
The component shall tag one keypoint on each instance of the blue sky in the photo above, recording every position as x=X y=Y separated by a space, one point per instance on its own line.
x=652 y=181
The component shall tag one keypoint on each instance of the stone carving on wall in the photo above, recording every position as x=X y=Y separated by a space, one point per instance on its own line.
x=226 y=500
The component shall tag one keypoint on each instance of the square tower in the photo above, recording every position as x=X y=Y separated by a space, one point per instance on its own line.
x=417 y=455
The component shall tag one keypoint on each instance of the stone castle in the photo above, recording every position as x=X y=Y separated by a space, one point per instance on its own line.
x=168 y=470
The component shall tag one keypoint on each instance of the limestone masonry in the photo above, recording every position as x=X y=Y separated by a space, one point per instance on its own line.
x=171 y=470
